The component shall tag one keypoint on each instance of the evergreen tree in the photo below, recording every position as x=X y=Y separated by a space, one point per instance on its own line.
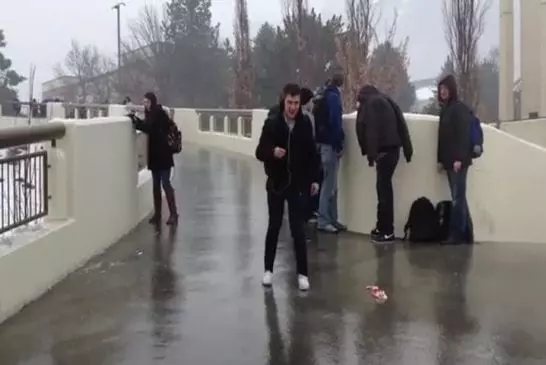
x=9 y=78
x=267 y=75
x=488 y=74
x=389 y=72
x=299 y=51
x=200 y=66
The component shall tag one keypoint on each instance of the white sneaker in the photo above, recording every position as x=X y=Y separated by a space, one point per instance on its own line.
x=303 y=282
x=267 y=279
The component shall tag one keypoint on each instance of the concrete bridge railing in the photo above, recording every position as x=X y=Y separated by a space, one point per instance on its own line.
x=505 y=186
x=96 y=195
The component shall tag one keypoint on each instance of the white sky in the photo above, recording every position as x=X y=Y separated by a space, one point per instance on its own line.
x=39 y=32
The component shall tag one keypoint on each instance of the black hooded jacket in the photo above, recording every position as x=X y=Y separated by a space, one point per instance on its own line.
x=380 y=125
x=300 y=167
x=454 y=142
x=156 y=126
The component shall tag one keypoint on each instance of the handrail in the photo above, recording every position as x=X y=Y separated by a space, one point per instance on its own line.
x=84 y=105
x=20 y=135
x=225 y=111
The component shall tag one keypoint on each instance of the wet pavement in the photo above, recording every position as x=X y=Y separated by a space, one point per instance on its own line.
x=193 y=296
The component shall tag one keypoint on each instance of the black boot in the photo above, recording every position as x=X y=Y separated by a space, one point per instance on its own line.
x=156 y=218
x=171 y=202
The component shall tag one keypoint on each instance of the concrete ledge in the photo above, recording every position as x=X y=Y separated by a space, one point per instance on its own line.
x=35 y=262
x=97 y=197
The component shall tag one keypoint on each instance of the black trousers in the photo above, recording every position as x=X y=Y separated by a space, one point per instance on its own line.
x=296 y=207
x=385 y=167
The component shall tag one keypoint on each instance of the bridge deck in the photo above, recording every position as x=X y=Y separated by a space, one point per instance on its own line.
x=194 y=296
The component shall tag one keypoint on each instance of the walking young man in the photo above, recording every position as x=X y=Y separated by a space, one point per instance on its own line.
x=455 y=156
x=381 y=130
x=287 y=150
x=330 y=138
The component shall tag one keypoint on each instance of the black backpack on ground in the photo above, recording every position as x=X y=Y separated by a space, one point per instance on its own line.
x=320 y=112
x=443 y=214
x=423 y=224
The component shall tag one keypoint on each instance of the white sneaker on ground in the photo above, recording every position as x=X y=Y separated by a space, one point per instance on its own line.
x=267 y=279
x=303 y=282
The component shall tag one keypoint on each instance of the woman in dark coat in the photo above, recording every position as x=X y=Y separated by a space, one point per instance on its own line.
x=160 y=156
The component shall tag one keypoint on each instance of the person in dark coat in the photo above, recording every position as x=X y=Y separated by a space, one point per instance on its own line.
x=455 y=156
x=160 y=157
x=381 y=131
x=292 y=165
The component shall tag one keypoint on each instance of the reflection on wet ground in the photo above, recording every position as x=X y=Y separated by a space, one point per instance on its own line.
x=194 y=296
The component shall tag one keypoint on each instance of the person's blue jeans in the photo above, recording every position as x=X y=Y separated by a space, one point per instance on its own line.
x=328 y=213
x=460 y=225
x=163 y=178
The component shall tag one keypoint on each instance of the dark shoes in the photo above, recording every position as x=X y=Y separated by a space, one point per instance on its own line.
x=378 y=237
x=171 y=202
x=173 y=220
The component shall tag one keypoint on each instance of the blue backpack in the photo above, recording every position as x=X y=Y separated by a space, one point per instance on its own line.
x=476 y=136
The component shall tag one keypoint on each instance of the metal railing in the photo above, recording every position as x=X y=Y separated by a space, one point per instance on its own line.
x=24 y=190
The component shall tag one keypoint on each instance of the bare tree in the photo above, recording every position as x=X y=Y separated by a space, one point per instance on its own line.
x=388 y=66
x=147 y=56
x=92 y=70
x=464 y=26
x=243 y=68
x=354 y=46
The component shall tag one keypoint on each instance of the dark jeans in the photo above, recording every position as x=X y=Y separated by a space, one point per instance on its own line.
x=275 y=203
x=385 y=167
x=460 y=225
x=161 y=178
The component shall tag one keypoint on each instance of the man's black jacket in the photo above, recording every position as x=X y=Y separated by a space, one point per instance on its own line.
x=454 y=135
x=380 y=125
x=454 y=130
x=300 y=167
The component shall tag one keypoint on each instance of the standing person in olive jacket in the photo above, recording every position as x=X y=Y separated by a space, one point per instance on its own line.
x=381 y=131
x=455 y=156
x=292 y=165
x=160 y=157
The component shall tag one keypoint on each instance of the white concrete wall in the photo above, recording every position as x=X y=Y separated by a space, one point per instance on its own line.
x=98 y=196
x=505 y=193
x=533 y=130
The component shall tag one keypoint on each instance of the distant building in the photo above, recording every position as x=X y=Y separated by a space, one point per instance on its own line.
x=63 y=87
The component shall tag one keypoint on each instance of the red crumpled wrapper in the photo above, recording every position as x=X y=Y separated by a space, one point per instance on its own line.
x=377 y=294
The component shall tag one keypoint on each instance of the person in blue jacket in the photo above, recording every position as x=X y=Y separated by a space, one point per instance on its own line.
x=330 y=139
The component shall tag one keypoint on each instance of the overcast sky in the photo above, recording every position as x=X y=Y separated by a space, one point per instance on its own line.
x=39 y=31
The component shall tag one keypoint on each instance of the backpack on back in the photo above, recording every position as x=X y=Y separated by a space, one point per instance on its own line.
x=476 y=136
x=443 y=214
x=174 y=137
x=422 y=225
x=322 y=118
